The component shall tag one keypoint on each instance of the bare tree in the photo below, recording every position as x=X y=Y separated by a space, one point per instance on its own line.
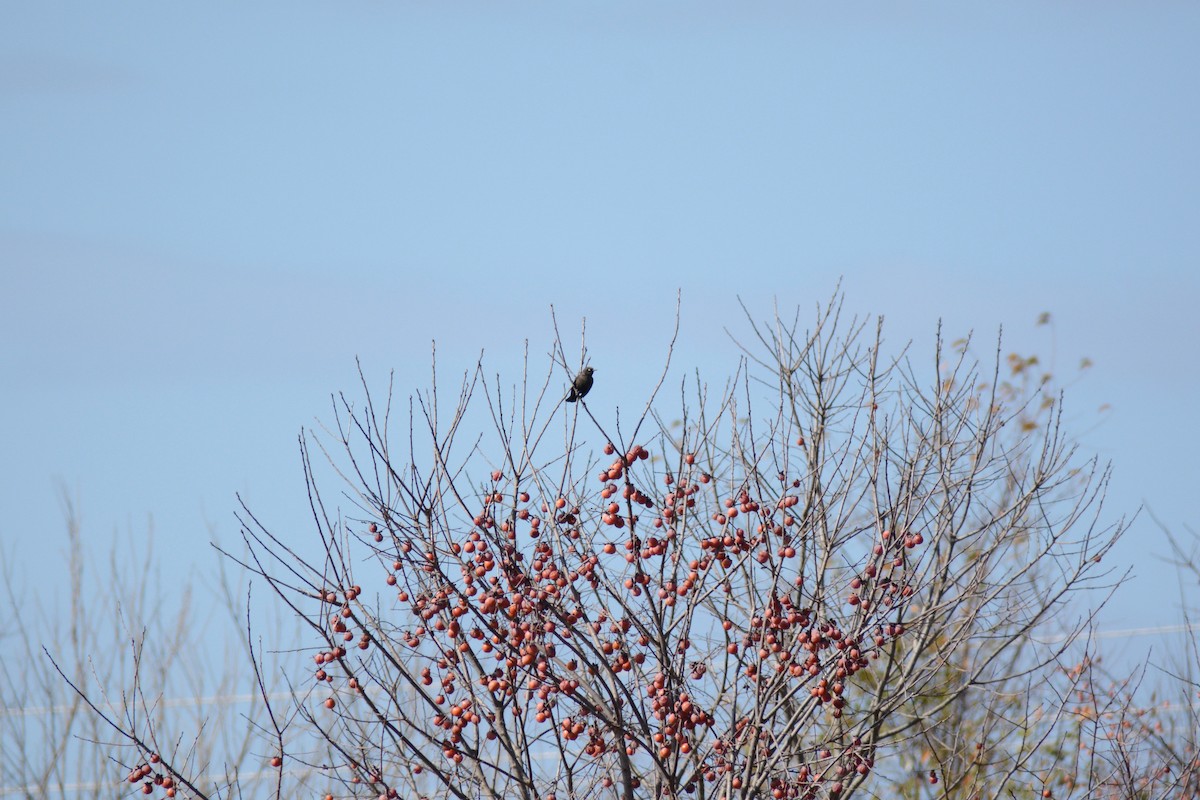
x=127 y=664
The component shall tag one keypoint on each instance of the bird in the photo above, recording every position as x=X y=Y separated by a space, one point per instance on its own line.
x=581 y=385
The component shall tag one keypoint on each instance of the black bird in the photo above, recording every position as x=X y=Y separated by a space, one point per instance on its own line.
x=581 y=385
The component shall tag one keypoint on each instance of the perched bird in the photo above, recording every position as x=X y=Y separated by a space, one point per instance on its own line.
x=581 y=385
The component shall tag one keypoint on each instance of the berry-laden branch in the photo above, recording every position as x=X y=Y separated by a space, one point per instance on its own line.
x=788 y=589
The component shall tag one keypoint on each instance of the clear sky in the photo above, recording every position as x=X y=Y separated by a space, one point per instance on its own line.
x=208 y=211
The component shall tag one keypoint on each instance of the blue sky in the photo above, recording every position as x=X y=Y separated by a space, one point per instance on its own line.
x=209 y=212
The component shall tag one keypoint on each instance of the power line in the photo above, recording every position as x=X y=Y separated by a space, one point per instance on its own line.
x=1124 y=633
x=170 y=702
x=66 y=789
x=235 y=699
